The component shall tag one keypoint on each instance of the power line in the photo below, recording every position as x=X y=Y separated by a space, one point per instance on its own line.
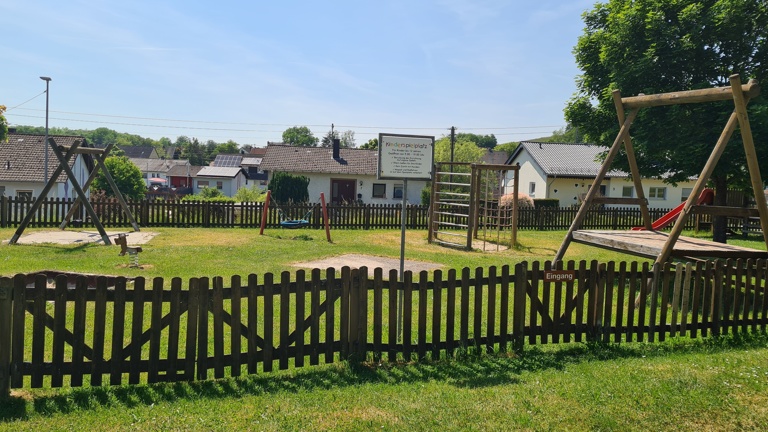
x=28 y=100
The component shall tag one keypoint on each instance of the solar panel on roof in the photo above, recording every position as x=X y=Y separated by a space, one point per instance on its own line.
x=228 y=160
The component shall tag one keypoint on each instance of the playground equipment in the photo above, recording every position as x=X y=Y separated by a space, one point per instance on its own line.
x=706 y=198
x=662 y=246
x=98 y=155
x=286 y=222
x=466 y=207
x=132 y=251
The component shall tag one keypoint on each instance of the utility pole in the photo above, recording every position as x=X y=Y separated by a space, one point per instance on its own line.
x=453 y=145
x=45 y=143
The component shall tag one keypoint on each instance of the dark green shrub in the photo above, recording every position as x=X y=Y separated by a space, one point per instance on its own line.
x=289 y=188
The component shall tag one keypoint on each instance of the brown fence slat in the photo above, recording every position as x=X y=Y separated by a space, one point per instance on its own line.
x=269 y=338
x=421 y=350
x=330 y=322
x=18 y=324
x=217 y=312
x=378 y=312
x=203 y=306
x=78 y=330
x=437 y=313
x=235 y=326
x=173 y=328
x=137 y=328
x=118 y=333
x=450 y=312
x=392 y=287
x=155 y=330
x=301 y=296
x=314 y=332
x=407 y=315
x=464 y=312
x=285 y=315
x=504 y=308
x=253 y=323
x=59 y=328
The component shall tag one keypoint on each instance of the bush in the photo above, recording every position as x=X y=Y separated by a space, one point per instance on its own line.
x=209 y=194
x=289 y=188
x=426 y=195
x=250 y=194
x=523 y=200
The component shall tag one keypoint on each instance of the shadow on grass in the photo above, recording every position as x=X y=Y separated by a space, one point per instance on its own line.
x=467 y=370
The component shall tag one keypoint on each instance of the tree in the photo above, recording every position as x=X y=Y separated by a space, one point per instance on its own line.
x=126 y=175
x=192 y=150
x=509 y=147
x=289 y=188
x=463 y=151
x=348 y=139
x=483 y=141
x=299 y=136
x=656 y=46
x=372 y=144
x=3 y=125
x=327 y=140
x=568 y=134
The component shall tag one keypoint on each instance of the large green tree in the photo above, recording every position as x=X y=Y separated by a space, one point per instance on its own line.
x=657 y=46
x=483 y=141
x=126 y=175
x=299 y=136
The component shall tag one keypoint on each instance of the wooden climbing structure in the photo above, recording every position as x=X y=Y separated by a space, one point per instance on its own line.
x=64 y=154
x=665 y=246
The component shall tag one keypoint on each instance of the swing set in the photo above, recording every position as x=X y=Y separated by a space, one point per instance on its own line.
x=287 y=222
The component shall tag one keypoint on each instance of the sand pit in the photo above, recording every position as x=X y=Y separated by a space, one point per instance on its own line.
x=81 y=237
x=370 y=261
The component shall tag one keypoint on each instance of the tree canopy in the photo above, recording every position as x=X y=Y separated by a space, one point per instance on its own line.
x=464 y=150
x=483 y=141
x=126 y=175
x=372 y=144
x=299 y=136
x=658 y=46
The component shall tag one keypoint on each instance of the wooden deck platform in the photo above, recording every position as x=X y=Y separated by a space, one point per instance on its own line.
x=649 y=244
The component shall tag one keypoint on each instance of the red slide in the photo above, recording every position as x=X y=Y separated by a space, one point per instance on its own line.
x=706 y=197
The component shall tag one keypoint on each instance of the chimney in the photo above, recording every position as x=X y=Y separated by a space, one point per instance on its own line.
x=336 y=145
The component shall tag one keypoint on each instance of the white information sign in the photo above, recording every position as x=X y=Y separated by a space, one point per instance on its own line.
x=405 y=157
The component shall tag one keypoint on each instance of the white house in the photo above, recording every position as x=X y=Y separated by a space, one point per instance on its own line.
x=567 y=171
x=226 y=179
x=155 y=171
x=342 y=174
x=22 y=162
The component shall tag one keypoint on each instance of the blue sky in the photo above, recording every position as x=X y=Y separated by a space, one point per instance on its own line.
x=247 y=70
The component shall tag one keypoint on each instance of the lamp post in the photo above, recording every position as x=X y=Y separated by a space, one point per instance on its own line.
x=45 y=143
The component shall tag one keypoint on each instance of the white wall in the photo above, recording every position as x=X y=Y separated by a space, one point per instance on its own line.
x=529 y=173
x=321 y=183
x=60 y=190
x=229 y=186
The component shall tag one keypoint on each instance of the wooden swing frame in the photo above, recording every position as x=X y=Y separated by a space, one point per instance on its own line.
x=98 y=155
x=665 y=246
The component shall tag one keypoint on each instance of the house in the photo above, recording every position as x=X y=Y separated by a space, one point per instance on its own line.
x=248 y=162
x=181 y=178
x=22 y=162
x=155 y=171
x=140 y=152
x=566 y=172
x=226 y=179
x=342 y=174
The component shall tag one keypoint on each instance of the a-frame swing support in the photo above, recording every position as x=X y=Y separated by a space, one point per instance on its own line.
x=663 y=246
x=99 y=155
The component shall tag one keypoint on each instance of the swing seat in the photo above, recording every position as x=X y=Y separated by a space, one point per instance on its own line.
x=292 y=224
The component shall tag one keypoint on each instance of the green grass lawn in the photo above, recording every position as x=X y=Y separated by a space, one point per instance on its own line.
x=681 y=384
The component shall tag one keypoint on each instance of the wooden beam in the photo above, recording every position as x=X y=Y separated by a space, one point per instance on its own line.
x=85 y=150
x=749 y=90
x=633 y=169
x=749 y=150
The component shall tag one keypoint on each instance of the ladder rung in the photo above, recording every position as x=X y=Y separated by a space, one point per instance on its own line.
x=453 y=184
x=451 y=214
x=454 y=173
x=452 y=224
x=451 y=234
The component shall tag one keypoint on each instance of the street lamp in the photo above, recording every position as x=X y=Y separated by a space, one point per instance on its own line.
x=45 y=143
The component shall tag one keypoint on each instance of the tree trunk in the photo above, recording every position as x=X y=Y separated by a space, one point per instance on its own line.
x=720 y=223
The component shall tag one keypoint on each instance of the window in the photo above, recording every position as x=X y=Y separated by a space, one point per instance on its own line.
x=397 y=192
x=379 y=190
x=532 y=188
x=603 y=190
x=26 y=194
x=219 y=185
x=628 y=192
x=659 y=193
x=686 y=194
x=202 y=184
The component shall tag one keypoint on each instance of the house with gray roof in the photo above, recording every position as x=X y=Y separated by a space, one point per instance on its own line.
x=566 y=172
x=342 y=174
x=141 y=152
x=155 y=171
x=22 y=166
x=226 y=179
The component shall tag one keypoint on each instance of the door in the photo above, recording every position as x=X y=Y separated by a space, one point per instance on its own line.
x=343 y=190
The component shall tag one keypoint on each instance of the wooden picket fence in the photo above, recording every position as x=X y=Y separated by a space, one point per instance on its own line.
x=207 y=214
x=63 y=332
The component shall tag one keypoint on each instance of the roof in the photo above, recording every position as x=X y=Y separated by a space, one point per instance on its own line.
x=258 y=151
x=183 y=171
x=227 y=160
x=565 y=160
x=157 y=165
x=495 y=157
x=251 y=160
x=139 y=152
x=22 y=157
x=211 y=171
x=285 y=158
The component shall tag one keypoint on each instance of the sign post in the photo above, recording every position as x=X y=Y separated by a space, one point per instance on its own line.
x=404 y=157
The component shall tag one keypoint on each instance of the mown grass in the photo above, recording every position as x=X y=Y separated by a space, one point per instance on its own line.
x=683 y=384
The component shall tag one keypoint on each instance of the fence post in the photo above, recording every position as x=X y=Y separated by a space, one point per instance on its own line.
x=6 y=290
x=3 y=211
